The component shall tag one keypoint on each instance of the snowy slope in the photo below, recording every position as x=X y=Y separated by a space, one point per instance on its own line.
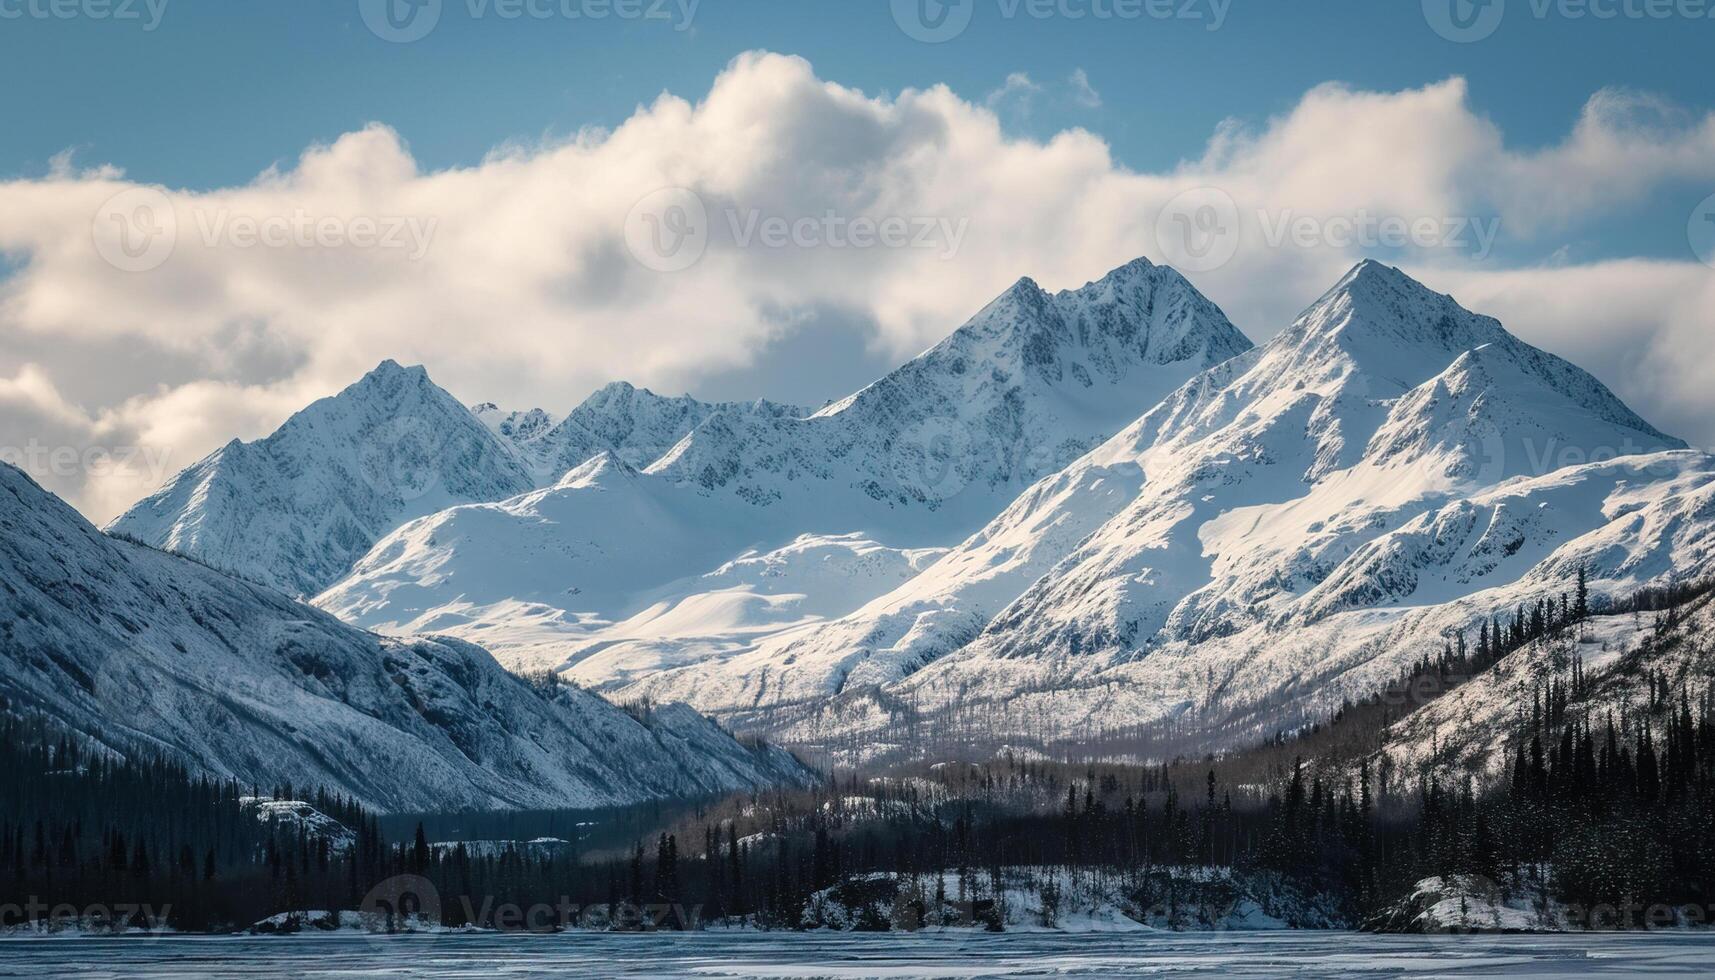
x=756 y=595
x=1476 y=727
x=930 y=615
x=1296 y=512
x=132 y=645
x=920 y=459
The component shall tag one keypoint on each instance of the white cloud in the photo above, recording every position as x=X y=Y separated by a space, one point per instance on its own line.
x=1083 y=93
x=1017 y=94
x=526 y=291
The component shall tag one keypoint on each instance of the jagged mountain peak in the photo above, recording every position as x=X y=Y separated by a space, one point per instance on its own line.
x=1138 y=315
x=1376 y=306
x=295 y=509
x=389 y=391
x=390 y=377
x=390 y=368
x=603 y=467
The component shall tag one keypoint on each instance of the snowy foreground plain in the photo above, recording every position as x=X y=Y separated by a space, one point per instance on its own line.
x=856 y=956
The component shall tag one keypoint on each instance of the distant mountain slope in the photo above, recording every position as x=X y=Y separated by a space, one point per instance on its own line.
x=131 y=644
x=919 y=459
x=1271 y=538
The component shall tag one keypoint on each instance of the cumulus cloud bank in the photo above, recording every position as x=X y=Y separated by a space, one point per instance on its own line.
x=515 y=279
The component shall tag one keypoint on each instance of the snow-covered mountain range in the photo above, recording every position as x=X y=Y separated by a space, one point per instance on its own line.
x=295 y=510
x=759 y=519
x=1084 y=516
x=136 y=647
x=1287 y=529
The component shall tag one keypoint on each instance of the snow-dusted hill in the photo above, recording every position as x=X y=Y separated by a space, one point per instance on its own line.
x=1475 y=728
x=919 y=459
x=132 y=645
x=1283 y=531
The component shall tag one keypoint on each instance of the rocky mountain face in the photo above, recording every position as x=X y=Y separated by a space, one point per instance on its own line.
x=136 y=647
x=635 y=424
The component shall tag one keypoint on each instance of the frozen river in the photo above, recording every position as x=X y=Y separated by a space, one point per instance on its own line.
x=844 y=956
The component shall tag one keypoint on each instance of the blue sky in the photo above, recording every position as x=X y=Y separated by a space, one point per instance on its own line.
x=1074 y=128
x=249 y=83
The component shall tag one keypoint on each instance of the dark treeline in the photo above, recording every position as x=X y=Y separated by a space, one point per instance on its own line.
x=1614 y=814
x=603 y=829
x=140 y=841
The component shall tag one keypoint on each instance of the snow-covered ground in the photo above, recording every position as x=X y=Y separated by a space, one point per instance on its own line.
x=847 y=956
x=539 y=847
x=1475 y=727
x=293 y=814
x=1058 y=899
